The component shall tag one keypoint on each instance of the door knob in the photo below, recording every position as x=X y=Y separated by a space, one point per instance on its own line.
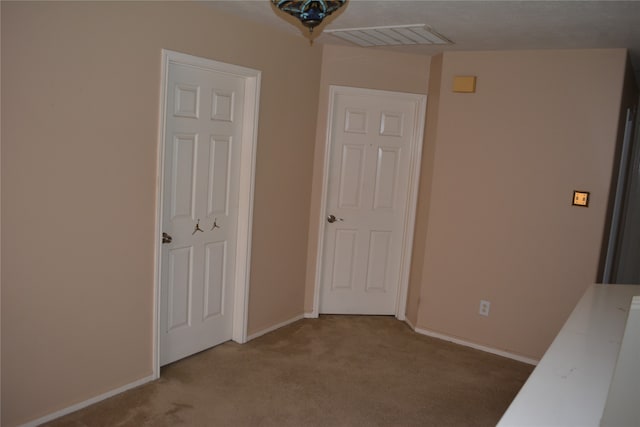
x=332 y=218
x=166 y=238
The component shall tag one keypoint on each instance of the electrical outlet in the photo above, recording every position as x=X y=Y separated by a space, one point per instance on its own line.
x=484 y=307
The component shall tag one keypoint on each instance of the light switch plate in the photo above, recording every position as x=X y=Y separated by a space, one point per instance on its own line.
x=580 y=198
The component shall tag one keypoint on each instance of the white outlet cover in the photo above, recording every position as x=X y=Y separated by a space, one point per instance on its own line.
x=485 y=306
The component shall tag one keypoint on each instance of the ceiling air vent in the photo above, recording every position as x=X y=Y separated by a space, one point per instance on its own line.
x=390 y=36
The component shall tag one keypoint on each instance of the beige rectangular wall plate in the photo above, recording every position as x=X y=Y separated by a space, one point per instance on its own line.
x=464 y=84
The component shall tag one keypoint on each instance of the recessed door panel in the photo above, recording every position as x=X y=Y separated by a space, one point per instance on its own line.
x=391 y=124
x=386 y=177
x=215 y=256
x=187 y=100
x=222 y=105
x=179 y=288
x=183 y=175
x=219 y=169
x=355 y=121
x=344 y=254
x=378 y=262
x=351 y=176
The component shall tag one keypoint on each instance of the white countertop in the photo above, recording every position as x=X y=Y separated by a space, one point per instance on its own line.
x=570 y=384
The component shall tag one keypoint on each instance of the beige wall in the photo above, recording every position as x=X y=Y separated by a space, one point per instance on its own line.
x=80 y=89
x=363 y=68
x=500 y=224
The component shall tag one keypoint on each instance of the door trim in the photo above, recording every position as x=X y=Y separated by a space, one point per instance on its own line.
x=245 y=183
x=412 y=191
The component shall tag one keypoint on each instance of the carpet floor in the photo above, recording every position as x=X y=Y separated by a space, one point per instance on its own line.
x=332 y=371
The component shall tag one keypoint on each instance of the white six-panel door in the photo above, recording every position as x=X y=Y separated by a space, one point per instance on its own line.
x=368 y=193
x=203 y=125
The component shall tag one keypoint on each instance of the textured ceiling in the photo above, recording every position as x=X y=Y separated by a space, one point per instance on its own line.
x=478 y=24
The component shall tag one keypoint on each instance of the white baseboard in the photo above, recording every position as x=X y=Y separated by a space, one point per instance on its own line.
x=444 y=337
x=312 y=315
x=274 y=327
x=88 y=402
x=408 y=322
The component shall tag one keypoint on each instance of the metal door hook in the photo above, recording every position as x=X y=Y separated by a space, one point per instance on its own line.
x=215 y=224
x=166 y=238
x=197 y=227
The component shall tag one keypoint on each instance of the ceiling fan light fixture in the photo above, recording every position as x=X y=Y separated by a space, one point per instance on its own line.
x=309 y=12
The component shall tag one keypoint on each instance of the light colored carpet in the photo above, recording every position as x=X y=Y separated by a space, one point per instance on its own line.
x=332 y=371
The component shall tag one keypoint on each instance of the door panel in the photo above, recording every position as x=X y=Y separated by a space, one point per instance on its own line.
x=183 y=176
x=355 y=121
x=391 y=124
x=222 y=105
x=371 y=140
x=384 y=193
x=219 y=175
x=187 y=100
x=179 y=287
x=379 y=246
x=351 y=176
x=200 y=209
x=214 y=288
x=344 y=257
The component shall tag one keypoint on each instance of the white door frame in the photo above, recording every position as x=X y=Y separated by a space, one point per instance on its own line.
x=246 y=190
x=412 y=191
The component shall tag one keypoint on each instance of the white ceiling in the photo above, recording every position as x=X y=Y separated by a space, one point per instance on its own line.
x=479 y=24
